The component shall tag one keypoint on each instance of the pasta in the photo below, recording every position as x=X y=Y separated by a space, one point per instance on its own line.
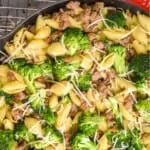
x=127 y=115
x=90 y=96
x=3 y=112
x=103 y=143
x=34 y=126
x=53 y=102
x=146 y=128
x=2 y=101
x=52 y=23
x=140 y=36
x=43 y=33
x=56 y=49
x=114 y=35
x=62 y=116
x=29 y=35
x=75 y=99
x=125 y=84
x=14 y=87
x=140 y=48
x=103 y=125
x=107 y=62
x=61 y=88
x=146 y=139
x=77 y=79
x=144 y=21
x=74 y=23
x=19 y=37
x=39 y=23
x=87 y=62
x=8 y=125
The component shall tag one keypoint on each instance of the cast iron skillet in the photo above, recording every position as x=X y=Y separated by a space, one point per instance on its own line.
x=56 y=6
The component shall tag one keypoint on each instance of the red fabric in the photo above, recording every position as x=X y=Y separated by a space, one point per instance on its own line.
x=142 y=3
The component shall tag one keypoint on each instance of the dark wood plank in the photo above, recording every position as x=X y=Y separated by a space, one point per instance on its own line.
x=10 y=11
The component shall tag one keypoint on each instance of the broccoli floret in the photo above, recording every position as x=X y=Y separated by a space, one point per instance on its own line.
x=17 y=63
x=84 y=81
x=48 y=115
x=63 y=70
x=83 y=142
x=75 y=40
x=37 y=102
x=117 y=114
x=52 y=136
x=31 y=71
x=115 y=19
x=121 y=138
x=88 y=123
x=140 y=64
x=21 y=133
x=7 y=141
x=117 y=48
x=135 y=142
x=8 y=97
x=143 y=106
x=120 y=53
x=128 y=140
x=142 y=87
x=65 y=100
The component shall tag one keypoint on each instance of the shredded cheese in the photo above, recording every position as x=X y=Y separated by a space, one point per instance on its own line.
x=97 y=49
x=127 y=34
x=126 y=74
x=99 y=20
x=144 y=30
x=34 y=97
x=93 y=58
x=81 y=94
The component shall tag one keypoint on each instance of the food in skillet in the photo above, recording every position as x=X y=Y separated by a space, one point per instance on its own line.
x=79 y=79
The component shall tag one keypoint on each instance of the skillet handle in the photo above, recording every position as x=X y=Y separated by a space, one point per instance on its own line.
x=145 y=4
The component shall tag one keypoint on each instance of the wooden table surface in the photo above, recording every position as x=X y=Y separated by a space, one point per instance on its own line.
x=14 y=11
